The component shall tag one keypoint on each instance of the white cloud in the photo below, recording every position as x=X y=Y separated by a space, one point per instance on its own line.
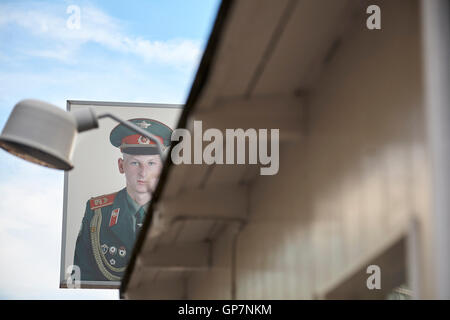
x=31 y=197
x=30 y=237
x=61 y=53
x=50 y=23
x=122 y=82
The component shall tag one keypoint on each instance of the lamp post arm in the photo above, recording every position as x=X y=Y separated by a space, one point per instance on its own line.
x=134 y=127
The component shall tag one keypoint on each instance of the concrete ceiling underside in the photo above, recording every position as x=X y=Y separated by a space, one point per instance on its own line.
x=269 y=56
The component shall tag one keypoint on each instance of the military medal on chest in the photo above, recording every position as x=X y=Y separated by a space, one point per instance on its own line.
x=114 y=217
x=122 y=251
x=104 y=248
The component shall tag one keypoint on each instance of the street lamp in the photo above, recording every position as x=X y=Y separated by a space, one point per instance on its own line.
x=42 y=133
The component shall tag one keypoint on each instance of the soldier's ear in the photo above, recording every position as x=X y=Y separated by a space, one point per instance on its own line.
x=120 y=163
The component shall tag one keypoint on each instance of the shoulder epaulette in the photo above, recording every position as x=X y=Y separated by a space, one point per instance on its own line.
x=102 y=201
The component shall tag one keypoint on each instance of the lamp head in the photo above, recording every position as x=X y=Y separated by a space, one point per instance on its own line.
x=41 y=133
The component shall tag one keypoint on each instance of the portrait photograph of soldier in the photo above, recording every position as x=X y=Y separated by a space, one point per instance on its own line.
x=109 y=223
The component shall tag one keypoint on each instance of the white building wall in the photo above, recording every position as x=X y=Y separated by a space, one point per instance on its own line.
x=349 y=185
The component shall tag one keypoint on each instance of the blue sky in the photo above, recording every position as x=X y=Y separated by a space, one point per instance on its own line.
x=135 y=51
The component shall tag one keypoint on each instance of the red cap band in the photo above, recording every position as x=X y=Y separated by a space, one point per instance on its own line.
x=138 y=139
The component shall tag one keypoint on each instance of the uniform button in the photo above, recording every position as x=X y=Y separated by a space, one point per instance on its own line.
x=112 y=262
x=112 y=250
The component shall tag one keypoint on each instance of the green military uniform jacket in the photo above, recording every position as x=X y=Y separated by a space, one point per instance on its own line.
x=109 y=229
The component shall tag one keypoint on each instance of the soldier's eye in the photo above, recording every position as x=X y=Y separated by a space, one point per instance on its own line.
x=152 y=163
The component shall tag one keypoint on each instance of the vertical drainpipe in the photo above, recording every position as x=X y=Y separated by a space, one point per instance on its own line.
x=436 y=49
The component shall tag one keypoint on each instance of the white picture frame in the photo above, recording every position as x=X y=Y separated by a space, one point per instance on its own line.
x=96 y=173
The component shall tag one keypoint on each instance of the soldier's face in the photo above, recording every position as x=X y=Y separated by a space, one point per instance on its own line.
x=141 y=172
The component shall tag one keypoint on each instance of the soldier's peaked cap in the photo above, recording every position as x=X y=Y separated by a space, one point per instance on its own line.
x=131 y=142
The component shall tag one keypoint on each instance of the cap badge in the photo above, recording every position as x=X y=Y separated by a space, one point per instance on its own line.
x=143 y=140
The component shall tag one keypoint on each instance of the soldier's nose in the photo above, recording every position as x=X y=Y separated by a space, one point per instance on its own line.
x=142 y=173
